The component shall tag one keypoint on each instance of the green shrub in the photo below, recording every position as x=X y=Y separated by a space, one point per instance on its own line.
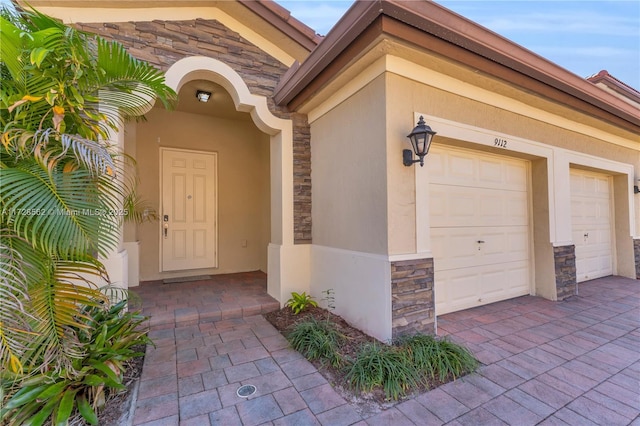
x=439 y=358
x=386 y=366
x=300 y=302
x=109 y=342
x=317 y=340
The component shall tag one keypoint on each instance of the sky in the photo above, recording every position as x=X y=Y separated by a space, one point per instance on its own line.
x=583 y=36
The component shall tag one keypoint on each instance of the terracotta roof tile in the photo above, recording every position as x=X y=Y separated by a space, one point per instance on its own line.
x=605 y=76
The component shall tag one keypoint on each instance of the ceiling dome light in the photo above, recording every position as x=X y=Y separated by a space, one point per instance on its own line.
x=203 y=96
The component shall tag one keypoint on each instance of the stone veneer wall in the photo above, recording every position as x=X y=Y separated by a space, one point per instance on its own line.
x=412 y=297
x=636 y=250
x=565 y=261
x=162 y=43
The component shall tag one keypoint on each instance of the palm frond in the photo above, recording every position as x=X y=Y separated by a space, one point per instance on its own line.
x=57 y=305
x=11 y=47
x=63 y=214
x=49 y=147
x=15 y=331
x=127 y=83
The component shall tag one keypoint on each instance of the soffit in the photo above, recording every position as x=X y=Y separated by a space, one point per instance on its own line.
x=428 y=28
x=267 y=19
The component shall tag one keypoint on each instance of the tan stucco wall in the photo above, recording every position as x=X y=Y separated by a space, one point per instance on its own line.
x=544 y=267
x=349 y=178
x=350 y=237
x=243 y=186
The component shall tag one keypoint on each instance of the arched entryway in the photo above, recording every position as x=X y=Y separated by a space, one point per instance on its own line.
x=251 y=151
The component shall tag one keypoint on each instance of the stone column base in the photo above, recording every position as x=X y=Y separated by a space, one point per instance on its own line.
x=412 y=297
x=636 y=251
x=565 y=262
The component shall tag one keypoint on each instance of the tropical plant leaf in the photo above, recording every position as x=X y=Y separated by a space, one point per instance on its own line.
x=15 y=332
x=67 y=403
x=56 y=303
x=61 y=214
x=86 y=410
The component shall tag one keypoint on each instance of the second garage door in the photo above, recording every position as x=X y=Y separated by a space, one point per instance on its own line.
x=591 y=224
x=479 y=213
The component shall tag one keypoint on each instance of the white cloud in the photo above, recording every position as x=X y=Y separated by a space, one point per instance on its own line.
x=321 y=16
x=591 y=51
x=578 y=22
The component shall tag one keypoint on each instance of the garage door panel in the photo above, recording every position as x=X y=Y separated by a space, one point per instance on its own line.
x=516 y=174
x=465 y=288
x=456 y=247
x=490 y=171
x=477 y=170
x=491 y=207
x=458 y=208
x=591 y=224
x=517 y=210
x=493 y=284
x=518 y=276
x=454 y=206
x=603 y=212
x=455 y=290
x=460 y=168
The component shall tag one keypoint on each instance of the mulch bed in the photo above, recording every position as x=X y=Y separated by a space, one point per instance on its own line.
x=368 y=404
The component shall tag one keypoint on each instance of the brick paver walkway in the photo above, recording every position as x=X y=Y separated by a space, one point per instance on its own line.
x=575 y=362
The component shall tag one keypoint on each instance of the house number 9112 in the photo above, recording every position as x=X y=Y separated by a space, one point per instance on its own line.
x=502 y=143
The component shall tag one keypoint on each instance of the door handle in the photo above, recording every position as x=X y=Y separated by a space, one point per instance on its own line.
x=480 y=242
x=165 y=226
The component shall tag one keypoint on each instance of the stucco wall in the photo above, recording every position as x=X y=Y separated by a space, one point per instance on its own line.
x=348 y=172
x=350 y=211
x=243 y=186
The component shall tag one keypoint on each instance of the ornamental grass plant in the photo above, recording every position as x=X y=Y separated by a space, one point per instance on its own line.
x=317 y=340
x=437 y=358
x=384 y=366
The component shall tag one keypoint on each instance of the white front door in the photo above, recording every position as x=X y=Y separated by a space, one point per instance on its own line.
x=479 y=214
x=591 y=224
x=188 y=217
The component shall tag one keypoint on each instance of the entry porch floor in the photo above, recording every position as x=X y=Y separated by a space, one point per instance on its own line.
x=218 y=297
x=553 y=363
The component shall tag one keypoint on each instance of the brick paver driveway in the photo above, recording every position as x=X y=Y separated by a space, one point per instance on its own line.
x=575 y=362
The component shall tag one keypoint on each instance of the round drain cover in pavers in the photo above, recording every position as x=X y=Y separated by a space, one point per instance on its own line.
x=246 y=391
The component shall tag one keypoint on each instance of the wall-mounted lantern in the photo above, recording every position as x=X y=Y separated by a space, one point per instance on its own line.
x=420 y=138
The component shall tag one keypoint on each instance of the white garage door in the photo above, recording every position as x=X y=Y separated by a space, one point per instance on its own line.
x=479 y=215
x=591 y=224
